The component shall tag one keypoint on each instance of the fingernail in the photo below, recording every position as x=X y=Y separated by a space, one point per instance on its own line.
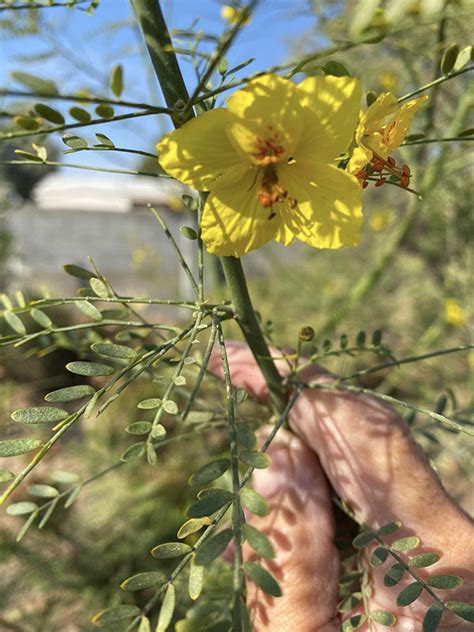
x=275 y=478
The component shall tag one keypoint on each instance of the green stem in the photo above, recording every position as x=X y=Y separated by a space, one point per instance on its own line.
x=247 y=320
x=79 y=99
x=68 y=126
x=222 y=47
x=391 y=400
x=238 y=584
x=67 y=165
x=426 y=141
x=434 y=83
x=160 y=48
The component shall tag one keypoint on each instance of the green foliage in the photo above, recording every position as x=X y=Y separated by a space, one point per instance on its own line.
x=263 y=578
x=161 y=368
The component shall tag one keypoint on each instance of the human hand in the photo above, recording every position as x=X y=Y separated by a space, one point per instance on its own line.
x=364 y=449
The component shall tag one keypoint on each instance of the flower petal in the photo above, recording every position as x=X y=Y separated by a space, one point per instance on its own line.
x=199 y=152
x=361 y=156
x=373 y=119
x=396 y=130
x=284 y=235
x=329 y=204
x=267 y=105
x=233 y=221
x=335 y=101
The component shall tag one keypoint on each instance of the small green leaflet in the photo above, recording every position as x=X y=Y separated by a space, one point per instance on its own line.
x=255 y=459
x=13 y=447
x=89 y=310
x=116 y=80
x=112 y=350
x=70 y=393
x=167 y=609
x=253 y=501
x=170 y=550
x=210 y=472
x=142 y=581
x=209 y=503
x=39 y=415
x=262 y=578
x=21 y=508
x=213 y=547
x=135 y=451
x=15 y=323
x=258 y=541
x=90 y=369
x=117 y=613
x=42 y=491
x=196 y=580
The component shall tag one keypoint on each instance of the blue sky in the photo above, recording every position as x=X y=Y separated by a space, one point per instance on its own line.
x=89 y=46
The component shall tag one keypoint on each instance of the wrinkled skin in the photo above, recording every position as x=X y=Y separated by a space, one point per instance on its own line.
x=362 y=447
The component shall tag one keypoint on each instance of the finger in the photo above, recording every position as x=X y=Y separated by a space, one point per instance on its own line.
x=300 y=526
x=246 y=374
x=368 y=455
x=375 y=466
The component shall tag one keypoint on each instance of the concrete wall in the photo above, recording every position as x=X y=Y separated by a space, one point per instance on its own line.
x=129 y=248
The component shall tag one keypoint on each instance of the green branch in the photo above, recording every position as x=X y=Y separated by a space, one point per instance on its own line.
x=160 y=48
x=238 y=580
x=406 y=360
x=223 y=46
x=69 y=126
x=425 y=141
x=247 y=320
x=434 y=83
x=80 y=99
x=176 y=249
x=337 y=386
x=63 y=426
x=84 y=167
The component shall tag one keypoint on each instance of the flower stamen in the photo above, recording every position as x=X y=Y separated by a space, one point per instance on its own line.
x=271 y=192
x=380 y=169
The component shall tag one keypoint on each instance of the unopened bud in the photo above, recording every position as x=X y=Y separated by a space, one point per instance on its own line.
x=179 y=105
x=306 y=334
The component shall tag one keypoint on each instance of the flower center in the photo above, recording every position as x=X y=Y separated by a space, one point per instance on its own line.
x=271 y=192
x=268 y=150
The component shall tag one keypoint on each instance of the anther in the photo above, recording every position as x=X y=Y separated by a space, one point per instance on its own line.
x=404 y=181
x=378 y=165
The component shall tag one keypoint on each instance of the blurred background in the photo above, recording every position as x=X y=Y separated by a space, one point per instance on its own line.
x=411 y=277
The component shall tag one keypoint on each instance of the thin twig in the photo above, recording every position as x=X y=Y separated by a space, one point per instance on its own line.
x=234 y=455
x=176 y=249
x=436 y=82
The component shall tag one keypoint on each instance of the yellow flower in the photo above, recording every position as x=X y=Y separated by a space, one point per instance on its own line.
x=232 y=15
x=381 y=219
x=454 y=313
x=267 y=161
x=381 y=130
x=388 y=80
